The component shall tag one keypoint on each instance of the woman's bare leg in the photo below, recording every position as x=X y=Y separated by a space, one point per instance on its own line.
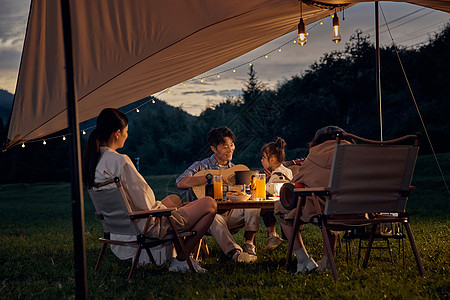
x=298 y=241
x=201 y=212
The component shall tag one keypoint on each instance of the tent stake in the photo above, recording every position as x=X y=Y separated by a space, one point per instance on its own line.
x=75 y=158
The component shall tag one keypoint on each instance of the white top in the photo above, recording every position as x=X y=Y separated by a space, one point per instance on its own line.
x=139 y=194
x=270 y=186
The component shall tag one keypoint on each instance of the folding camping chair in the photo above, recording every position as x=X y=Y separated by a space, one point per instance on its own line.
x=369 y=178
x=116 y=216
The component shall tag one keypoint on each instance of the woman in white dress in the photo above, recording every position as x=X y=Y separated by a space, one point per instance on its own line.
x=102 y=162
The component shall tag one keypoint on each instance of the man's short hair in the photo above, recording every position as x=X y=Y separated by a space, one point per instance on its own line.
x=216 y=136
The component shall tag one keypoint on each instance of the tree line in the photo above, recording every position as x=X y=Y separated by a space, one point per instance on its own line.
x=337 y=89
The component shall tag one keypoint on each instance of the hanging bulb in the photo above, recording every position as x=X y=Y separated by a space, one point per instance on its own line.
x=250 y=64
x=234 y=70
x=44 y=142
x=84 y=132
x=153 y=100
x=184 y=83
x=218 y=75
x=64 y=137
x=301 y=33
x=137 y=109
x=23 y=145
x=336 y=37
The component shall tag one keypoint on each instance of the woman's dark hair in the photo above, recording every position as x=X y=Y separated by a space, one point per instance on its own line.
x=216 y=136
x=275 y=148
x=325 y=134
x=108 y=121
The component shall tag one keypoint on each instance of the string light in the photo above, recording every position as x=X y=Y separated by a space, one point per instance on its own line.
x=184 y=84
x=301 y=28
x=336 y=36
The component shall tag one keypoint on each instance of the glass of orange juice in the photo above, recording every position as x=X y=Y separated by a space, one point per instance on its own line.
x=260 y=186
x=218 y=187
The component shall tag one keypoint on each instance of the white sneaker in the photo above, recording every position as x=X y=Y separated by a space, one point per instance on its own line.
x=308 y=266
x=244 y=257
x=273 y=242
x=197 y=266
x=249 y=248
x=323 y=265
x=179 y=266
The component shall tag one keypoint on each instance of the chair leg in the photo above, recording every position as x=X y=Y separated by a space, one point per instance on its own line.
x=100 y=256
x=150 y=255
x=414 y=249
x=205 y=248
x=197 y=249
x=369 y=246
x=329 y=252
x=295 y=229
x=135 y=263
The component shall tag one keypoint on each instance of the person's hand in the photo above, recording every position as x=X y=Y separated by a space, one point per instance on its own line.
x=265 y=171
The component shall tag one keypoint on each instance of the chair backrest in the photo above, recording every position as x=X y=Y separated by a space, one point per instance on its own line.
x=370 y=178
x=114 y=211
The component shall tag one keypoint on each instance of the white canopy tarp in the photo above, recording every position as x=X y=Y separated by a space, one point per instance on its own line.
x=127 y=50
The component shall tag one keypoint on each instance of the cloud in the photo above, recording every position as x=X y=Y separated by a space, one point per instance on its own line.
x=204 y=93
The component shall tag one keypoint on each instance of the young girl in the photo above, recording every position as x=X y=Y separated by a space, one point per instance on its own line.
x=272 y=156
x=102 y=162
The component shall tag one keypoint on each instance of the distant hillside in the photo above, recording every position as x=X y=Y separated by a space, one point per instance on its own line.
x=6 y=100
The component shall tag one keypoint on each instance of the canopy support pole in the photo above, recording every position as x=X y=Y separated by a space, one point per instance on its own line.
x=75 y=158
x=378 y=68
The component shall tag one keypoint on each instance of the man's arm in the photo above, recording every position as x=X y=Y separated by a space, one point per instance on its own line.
x=190 y=181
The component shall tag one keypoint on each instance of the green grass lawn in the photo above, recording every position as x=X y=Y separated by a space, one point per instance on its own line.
x=36 y=254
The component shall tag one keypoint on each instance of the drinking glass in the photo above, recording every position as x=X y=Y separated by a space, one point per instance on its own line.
x=218 y=187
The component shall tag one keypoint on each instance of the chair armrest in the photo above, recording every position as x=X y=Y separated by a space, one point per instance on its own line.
x=154 y=213
x=319 y=191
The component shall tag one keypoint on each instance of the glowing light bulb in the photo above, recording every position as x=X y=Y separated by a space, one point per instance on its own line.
x=301 y=33
x=184 y=83
x=279 y=49
x=153 y=100
x=23 y=145
x=44 y=142
x=137 y=109
x=250 y=64
x=266 y=56
x=201 y=80
x=234 y=70
x=321 y=23
x=84 y=132
x=336 y=37
x=218 y=76
x=64 y=137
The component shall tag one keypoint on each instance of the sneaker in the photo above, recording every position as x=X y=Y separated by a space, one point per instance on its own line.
x=197 y=266
x=244 y=257
x=179 y=266
x=308 y=266
x=249 y=248
x=273 y=242
x=323 y=265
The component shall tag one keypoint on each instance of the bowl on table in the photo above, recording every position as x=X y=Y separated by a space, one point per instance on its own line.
x=238 y=198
